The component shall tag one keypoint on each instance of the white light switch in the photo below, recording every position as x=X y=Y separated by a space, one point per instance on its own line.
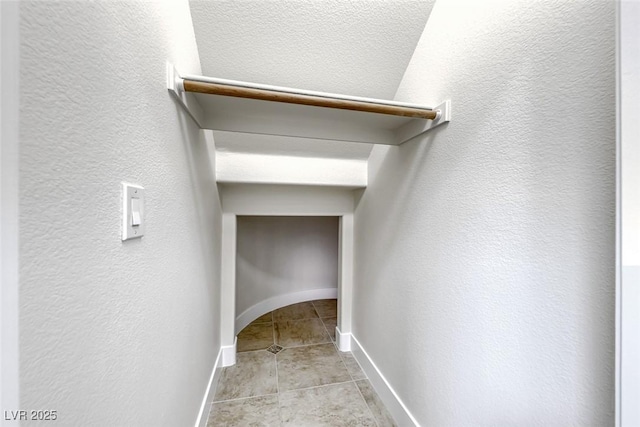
x=135 y=211
x=132 y=211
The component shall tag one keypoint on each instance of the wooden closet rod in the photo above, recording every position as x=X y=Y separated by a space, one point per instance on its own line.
x=315 y=101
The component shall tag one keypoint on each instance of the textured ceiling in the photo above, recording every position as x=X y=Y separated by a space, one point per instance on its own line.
x=359 y=47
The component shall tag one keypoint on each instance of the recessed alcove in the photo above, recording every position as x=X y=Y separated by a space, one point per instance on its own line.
x=276 y=203
x=282 y=260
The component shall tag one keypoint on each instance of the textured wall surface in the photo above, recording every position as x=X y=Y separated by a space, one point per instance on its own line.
x=489 y=243
x=357 y=47
x=280 y=255
x=113 y=333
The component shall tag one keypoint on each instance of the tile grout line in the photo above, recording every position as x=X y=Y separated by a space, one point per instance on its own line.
x=344 y=363
x=292 y=347
x=273 y=331
x=252 y=351
x=277 y=394
x=280 y=418
x=375 y=420
x=316 y=309
x=280 y=411
x=326 y=317
x=307 y=345
x=360 y=370
x=326 y=329
x=243 y=398
x=320 y=386
x=295 y=320
x=275 y=359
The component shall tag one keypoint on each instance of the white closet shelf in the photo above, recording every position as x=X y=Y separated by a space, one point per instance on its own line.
x=251 y=108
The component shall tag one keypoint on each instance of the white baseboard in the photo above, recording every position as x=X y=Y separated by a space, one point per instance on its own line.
x=201 y=421
x=343 y=340
x=396 y=408
x=255 y=311
x=229 y=353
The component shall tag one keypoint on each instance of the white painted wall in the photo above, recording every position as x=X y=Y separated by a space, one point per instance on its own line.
x=345 y=283
x=279 y=255
x=252 y=143
x=299 y=200
x=484 y=251
x=9 y=243
x=114 y=333
x=279 y=169
x=228 y=287
x=629 y=214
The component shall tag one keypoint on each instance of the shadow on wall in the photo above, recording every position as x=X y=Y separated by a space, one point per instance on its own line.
x=412 y=155
x=199 y=148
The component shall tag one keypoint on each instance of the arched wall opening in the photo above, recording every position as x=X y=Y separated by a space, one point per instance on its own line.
x=240 y=201
x=283 y=260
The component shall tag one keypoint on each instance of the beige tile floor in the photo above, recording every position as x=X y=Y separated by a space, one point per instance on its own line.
x=288 y=372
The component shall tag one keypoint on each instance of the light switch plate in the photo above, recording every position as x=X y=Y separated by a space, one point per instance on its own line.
x=129 y=192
